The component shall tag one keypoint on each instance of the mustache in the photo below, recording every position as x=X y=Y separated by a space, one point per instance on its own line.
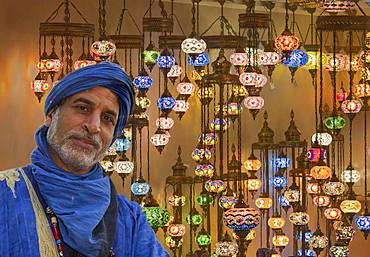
x=95 y=140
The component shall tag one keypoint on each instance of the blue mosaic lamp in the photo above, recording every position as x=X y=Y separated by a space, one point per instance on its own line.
x=297 y=58
x=279 y=182
x=282 y=162
x=143 y=81
x=165 y=61
x=166 y=102
x=140 y=187
x=363 y=223
x=200 y=61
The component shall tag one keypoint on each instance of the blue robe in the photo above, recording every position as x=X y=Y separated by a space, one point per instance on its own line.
x=24 y=235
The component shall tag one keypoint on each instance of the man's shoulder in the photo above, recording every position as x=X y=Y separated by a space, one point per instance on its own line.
x=15 y=182
x=127 y=205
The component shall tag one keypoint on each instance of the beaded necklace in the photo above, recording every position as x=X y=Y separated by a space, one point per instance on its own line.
x=57 y=236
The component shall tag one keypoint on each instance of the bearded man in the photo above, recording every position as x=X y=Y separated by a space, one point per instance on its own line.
x=62 y=204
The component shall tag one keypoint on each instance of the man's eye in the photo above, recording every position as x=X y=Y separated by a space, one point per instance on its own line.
x=82 y=108
x=109 y=119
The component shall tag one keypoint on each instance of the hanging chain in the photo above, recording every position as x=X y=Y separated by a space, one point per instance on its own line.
x=163 y=10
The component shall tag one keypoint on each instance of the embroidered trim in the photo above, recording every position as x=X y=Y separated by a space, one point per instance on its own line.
x=47 y=246
x=11 y=176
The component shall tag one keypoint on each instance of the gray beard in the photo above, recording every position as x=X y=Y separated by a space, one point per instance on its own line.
x=73 y=156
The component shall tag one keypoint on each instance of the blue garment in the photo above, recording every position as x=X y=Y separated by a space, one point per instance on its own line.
x=69 y=196
x=104 y=74
x=18 y=236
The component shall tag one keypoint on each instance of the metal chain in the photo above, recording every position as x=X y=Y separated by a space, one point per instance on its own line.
x=163 y=10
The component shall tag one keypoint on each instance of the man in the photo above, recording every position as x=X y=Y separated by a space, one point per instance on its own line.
x=62 y=204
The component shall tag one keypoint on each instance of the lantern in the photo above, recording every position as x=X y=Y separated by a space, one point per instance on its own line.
x=280 y=182
x=254 y=102
x=344 y=233
x=321 y=171
x=166 y=102
x=241 y=218
x=39 y=85
x=351 y=106
x=252 y=163
x=318 y=241
x=185 y=87
x=208 y=138
x=321 y=200
x=261 y=80
x=204 y=171
x=362 y=89
x=165 y=61
x=283 y=201
x=102 y=50
x=203 y=239
x=315 y=154
x=263 y=202
x=143 y=81
x=206 y=94
x=150 y=55
x=334 y=188
x=299 y=218
x=254 y=184
x=227 y=201
x=337 y=6
x=216 y=124
x=83 y=63
x=205 y=199
x=195 y=219
x=226 y=248
x=282 y=162
x=333 y=214
x=351 y=175
x=152 y=216
x=363 y=223
x=140 y=187
x=165 y=123
x=215 y=186
x=176 y=230
x=268 y=58
x=335 y=123
x=172 y=243
x=280 y=240
x=323 y=138
x=181 y=106
x=313 y=188
x=308 y=253
x=239 y=59
x=296 y=58
x=292 y=195
x=160 y=139
x=177 y=200
x=201 y=154
x=124 y=167
x=339 y=251
x=276 y=222
x=339 y=63
x=174 y=73
x=354 y=65
x=286 y=42
x=199 y=61
x=350 y=206
x=248 y=78
x=193 y=46
x=313 y=62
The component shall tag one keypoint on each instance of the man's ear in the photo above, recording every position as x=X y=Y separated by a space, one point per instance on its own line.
x=48 y=118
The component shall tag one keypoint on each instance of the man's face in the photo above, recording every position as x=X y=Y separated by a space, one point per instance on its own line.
x=81 y=129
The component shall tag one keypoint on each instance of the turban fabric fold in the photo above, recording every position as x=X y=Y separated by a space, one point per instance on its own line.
x=104 y=74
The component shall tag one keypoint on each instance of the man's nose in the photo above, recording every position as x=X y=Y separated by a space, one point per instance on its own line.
x=92 y=123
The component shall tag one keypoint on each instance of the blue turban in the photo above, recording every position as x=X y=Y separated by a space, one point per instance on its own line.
x=104 y=74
